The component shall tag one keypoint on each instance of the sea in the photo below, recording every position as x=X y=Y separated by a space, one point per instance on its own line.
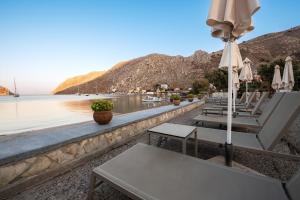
x=28 y=113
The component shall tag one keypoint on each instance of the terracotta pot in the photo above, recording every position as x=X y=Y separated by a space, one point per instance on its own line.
x=176 y=102
x=103 y=117
x=191 y=99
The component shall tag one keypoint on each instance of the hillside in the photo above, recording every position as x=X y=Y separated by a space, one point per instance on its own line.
x=5 y=91
x=179 y=71
x=77 y=80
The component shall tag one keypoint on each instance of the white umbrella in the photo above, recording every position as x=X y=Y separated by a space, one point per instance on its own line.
x=236 y=85
x=288 y=75
x=276 y=83
x=246 y=75
x=236 y=62
x=230 y=19
x=235 y=58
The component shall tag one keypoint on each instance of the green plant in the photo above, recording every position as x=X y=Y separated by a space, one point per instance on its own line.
x=200 y=96
x=218 y=78
x=200 y=85
x=102 y=105
x=190 y=96
x=175 y=97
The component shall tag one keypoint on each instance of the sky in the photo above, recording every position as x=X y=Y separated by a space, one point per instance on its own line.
x=43 y=42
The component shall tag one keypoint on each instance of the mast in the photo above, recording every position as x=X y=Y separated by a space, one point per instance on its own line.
x=15 y=86
x=96 y=89
x=15 y=93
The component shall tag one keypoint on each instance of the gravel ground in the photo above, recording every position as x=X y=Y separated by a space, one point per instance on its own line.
x=74 y=184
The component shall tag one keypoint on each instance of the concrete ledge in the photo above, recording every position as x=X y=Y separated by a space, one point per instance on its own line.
x=34 y=153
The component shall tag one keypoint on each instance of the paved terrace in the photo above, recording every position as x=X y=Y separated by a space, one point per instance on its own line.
x=74 y=184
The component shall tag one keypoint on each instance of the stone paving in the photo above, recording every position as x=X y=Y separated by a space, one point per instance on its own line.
x=74 y=184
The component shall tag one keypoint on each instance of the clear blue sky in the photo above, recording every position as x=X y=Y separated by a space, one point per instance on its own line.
x=42 y=42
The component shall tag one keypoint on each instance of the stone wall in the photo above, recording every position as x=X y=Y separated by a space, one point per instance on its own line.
x=12 y=173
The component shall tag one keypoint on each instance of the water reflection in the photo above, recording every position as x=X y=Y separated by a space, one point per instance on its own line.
x=19 y=115
x=122 y=104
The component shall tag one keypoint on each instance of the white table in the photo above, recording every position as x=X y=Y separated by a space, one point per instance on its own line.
x=175 y=131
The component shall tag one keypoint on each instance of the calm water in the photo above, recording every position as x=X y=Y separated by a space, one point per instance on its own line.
x=37 y=112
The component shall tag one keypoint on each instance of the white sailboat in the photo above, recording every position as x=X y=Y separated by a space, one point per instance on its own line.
x=15 y=93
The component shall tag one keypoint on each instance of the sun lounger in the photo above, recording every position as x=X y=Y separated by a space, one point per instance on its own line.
x=292 y=187
x=150 y=173
x=272 y=131
x=219 y=100
x=247 y=122
x=240 y=112
x=238 y=105
x=243 y=97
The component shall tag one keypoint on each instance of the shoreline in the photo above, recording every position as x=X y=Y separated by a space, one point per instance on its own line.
x=32 y=113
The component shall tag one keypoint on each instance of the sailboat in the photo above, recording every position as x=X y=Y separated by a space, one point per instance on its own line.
x=78 y=93
x=15 y=93
x=97 y=89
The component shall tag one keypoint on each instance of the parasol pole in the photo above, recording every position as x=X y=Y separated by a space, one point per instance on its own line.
x=228 y=145
x=234 y=96
x=246 y=92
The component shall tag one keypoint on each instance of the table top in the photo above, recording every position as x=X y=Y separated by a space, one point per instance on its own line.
x=177 y=130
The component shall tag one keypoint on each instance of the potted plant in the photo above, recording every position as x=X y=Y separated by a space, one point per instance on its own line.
x=190 y=97
x=102 y=111
x=200 y=96
x=171 y=99
x=176 y=99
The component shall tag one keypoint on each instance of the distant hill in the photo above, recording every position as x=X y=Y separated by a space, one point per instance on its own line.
x=5 y=91
x=77 y=81
x=179 y=71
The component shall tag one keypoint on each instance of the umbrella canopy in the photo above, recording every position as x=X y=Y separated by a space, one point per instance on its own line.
x=235 y=58
x=246 y=73
x=235 y=79
x=276 y=83
x=236 y=85
x=288 y=75
x=229 y=20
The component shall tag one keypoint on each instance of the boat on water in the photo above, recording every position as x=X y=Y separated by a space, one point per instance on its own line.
x=78 y=93
x=151 y=99
x=15 y=93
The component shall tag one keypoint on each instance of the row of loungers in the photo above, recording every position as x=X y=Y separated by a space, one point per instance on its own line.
x=220 y=100
x=242 y=110
x=148 y=172
x=280 y=112
x=244 y=121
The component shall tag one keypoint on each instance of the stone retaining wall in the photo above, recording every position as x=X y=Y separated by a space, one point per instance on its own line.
x=12 y=173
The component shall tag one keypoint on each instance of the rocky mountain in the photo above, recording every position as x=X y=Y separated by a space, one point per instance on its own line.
x=178 y=71
x=5 y=91
x=77 y=80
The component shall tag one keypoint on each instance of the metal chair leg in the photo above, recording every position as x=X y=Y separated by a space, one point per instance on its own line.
x=91 y=187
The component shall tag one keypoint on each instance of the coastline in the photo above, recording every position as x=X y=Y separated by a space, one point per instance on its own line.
x=32 y=113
